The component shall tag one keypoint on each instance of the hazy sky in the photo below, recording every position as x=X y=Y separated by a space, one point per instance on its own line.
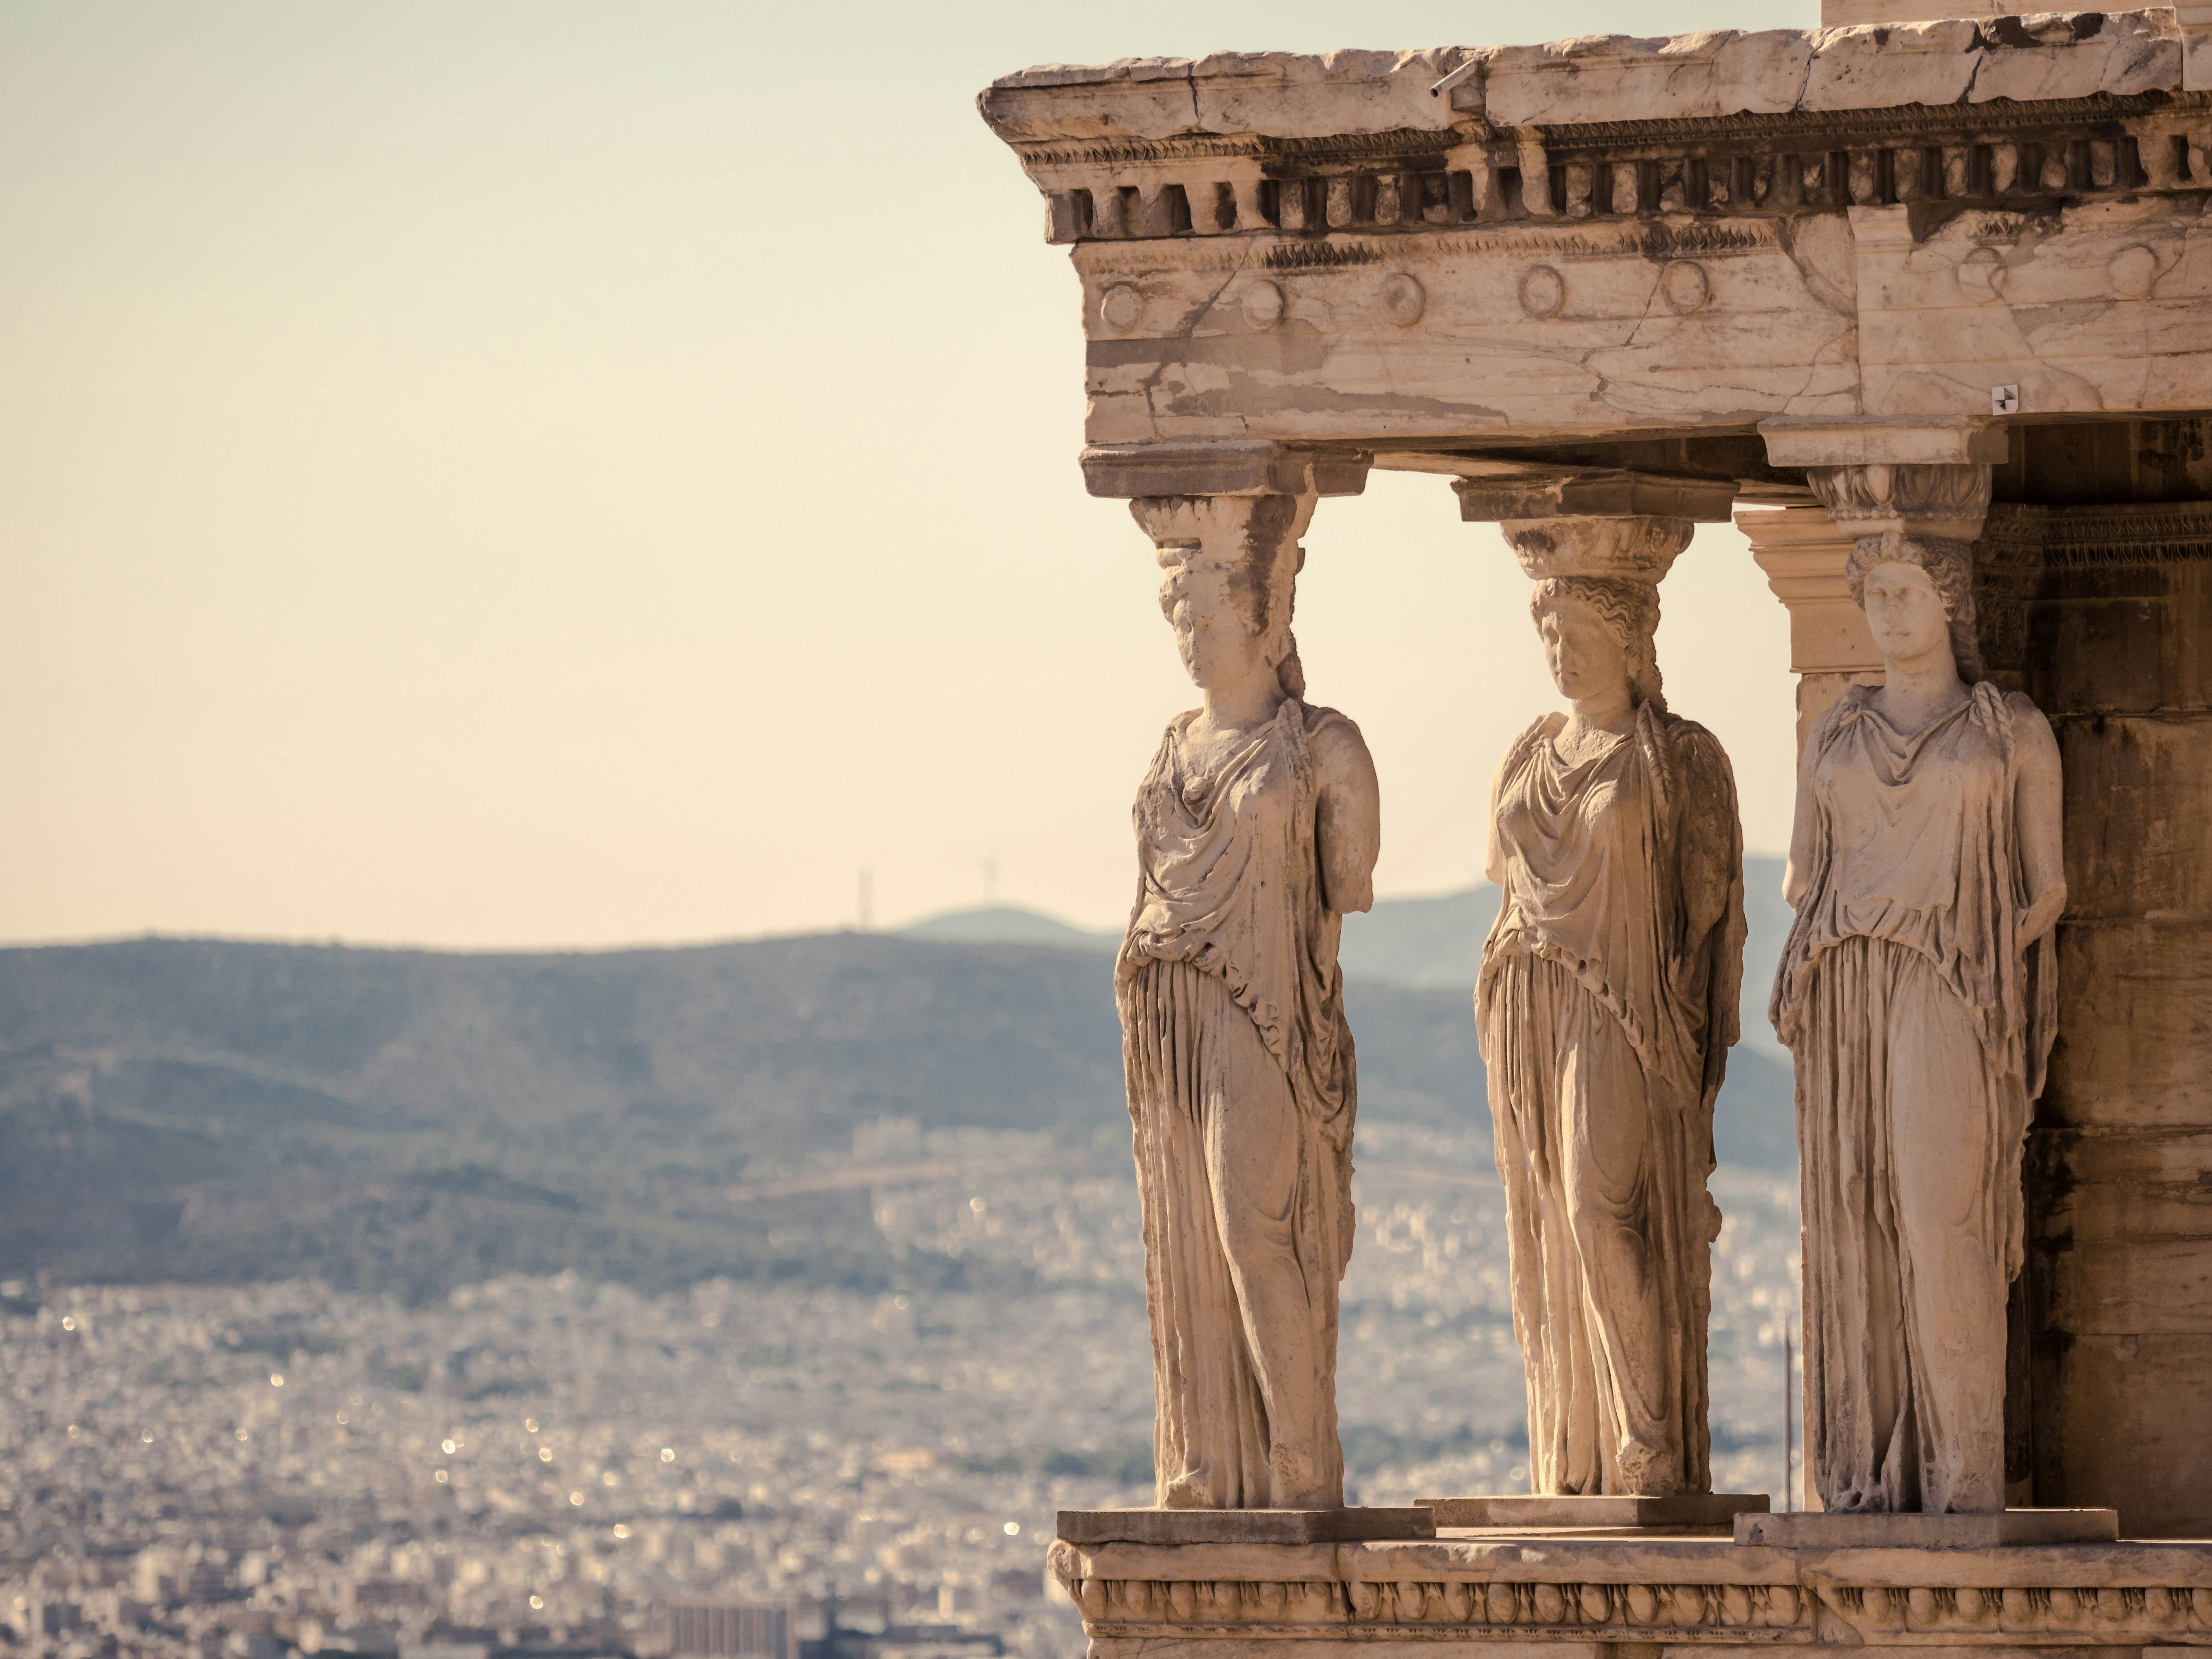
x=539 y=474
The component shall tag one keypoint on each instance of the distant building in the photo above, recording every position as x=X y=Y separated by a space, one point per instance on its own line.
x=921 y=1642
x=731 y=1630
x=848 y=1630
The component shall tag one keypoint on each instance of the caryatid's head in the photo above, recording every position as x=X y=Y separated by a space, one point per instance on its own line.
x=1596 y=602
x=1598 y=636
x=1917 y=592
x=1232 y=564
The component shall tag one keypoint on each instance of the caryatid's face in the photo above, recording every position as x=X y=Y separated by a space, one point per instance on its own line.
x=1904 y=611
x=1588 y=659
x=1214 y=631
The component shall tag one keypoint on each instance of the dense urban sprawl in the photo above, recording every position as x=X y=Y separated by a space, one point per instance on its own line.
x=552 y=1463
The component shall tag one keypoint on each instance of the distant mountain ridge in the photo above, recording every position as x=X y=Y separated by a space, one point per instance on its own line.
x=407 y=1120
x=1431 y=944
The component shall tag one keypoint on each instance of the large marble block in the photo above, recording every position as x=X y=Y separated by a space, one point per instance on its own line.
x=1589 y=1597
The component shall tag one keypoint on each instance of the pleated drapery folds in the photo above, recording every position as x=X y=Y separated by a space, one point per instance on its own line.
x=1243 y=1248
x=1606 y=1004
x=1239 y=1066
x=1920 y=1025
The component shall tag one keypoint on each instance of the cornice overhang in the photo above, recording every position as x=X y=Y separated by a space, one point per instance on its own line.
x=1989 y=110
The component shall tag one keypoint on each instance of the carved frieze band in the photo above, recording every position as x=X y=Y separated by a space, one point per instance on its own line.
x=2059 y=537
x=1404 y=1608
x=1999 y=153
x=2021 y=543
x=1735 y=1614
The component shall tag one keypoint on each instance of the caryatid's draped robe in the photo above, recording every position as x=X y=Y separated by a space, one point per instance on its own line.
x=1921 y=1024
x=1239 y=1066
x=1606 y=1004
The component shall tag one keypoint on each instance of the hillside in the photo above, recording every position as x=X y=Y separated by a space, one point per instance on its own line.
x=1433 y=943
x=404 y=1121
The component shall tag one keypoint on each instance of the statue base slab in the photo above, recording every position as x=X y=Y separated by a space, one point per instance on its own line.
x=1501 y=1596
x=1092 y=1527
x=1544 y=1512
x=1828 y=1529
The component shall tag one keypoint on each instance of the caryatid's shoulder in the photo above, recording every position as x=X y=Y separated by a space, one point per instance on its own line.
x=1339 y=752
x=1537 y=730
x=2030 y=728
x=2022 y=708
x=1698 y=751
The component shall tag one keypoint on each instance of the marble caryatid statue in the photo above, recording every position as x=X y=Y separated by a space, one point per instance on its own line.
x=1606 y=1004
x=1257 y=828
x=1917 y=995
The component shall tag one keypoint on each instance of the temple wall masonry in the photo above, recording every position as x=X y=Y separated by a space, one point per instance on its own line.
x=2120 y=1280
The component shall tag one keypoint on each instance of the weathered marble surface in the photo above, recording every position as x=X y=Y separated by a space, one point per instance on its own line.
x=1803 y=553
x=1561 y=1594
x=1606 y=1037
x=1724 y=72
x=2111 y=646
x=2093 y=309
x=1613 y=236
x=1917 y=994
x=1678 y=1512
x=1594 y=78
x=1819 y=1529
x=1092 y=1529
x=1748 y=258
x=1772 y=330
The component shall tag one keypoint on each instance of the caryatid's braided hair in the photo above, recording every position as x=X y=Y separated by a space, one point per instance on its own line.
x=1950 y=568
x=1630 y=608
x=1259 y=579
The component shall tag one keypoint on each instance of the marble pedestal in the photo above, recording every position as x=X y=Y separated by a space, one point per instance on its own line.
x=1614 y=1598
x=1524 y=1511
x=1187 y=1527
x=1815 y=1529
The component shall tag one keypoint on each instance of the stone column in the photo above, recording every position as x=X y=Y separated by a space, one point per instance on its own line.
x=1640 y=549
x=2102 y=615
x=1630 y=1326
x=1803 y=552
x=1912 y=481
x=1244 y=1330
x=1229 y=497
x=2113 y=640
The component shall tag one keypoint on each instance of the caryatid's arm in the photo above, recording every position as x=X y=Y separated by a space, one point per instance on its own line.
x=1348 y=819
x=1708 y=858
x=1798 y=874
x=2038 y=810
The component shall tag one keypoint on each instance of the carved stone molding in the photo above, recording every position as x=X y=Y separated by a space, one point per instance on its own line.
x=1457 y=1608
x=1833 y=441
x=2028 y=156
x=2140 y=532
x=1492 y=492
x=1945 y=503
x=1803 y=553
x=1445 y=1609
x=1640 y=548
x=1229 y=528
x=1223 y=467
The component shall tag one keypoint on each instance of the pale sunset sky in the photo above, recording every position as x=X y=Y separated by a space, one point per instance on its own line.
x=537 y=475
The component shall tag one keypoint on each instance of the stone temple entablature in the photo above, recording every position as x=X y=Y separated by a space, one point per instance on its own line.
x=1614 y=238
x=1925 y=306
